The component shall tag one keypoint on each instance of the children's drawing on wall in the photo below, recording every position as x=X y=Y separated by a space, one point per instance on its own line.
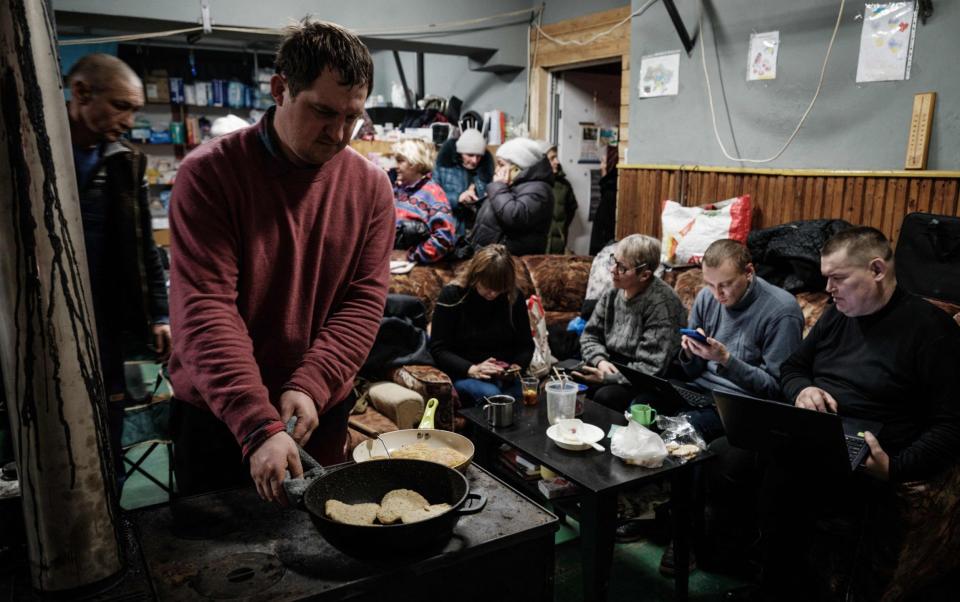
x=660 y=75
x=886 y=42
x=762 y=57
x=589 y=143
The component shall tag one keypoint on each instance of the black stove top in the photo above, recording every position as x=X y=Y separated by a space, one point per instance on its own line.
x=231 y=545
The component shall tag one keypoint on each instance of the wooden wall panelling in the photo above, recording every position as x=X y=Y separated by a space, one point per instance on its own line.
x=875 y=190
x=878 y=199
x=853 y=201
x=899 y=210
x=780 y=200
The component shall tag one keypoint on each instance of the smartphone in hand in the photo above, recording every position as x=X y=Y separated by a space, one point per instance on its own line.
x=571 y=365
x=694 y=334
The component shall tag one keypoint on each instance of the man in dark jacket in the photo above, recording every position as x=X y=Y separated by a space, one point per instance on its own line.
x=519 y=204
x=605 y=218
x=564 y=204
x=126 y=275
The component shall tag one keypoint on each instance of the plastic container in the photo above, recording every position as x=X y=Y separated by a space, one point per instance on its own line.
x=561 y=400
x=581 y=397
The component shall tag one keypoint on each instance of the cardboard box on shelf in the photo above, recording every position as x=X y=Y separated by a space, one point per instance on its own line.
x=156 y=86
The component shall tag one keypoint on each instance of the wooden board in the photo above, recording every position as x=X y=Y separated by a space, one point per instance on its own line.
x=921 y=123
x=881 y=199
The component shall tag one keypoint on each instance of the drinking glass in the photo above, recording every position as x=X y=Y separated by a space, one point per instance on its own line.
x=561 y=400
x=529 y=386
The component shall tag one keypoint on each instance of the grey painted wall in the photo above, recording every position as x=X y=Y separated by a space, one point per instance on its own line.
x=558 y=10
x=445 y=75
x=852 y=126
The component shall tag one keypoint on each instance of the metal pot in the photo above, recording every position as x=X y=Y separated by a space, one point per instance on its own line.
x=369 y=482
x=373 y=449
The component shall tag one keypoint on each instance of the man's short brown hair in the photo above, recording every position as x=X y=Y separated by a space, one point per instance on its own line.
x=724 y=249
x=862 y=244
x=309 y=47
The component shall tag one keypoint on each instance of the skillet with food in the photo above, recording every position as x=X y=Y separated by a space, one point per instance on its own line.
x=368 y=483
x=423 y=443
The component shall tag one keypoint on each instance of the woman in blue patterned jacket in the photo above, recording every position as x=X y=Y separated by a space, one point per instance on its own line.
x=425 y=226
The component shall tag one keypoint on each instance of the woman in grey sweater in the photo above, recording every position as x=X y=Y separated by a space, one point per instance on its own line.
x=636 y=323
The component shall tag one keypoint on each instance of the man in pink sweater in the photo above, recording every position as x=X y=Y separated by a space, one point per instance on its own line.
x=280 y=242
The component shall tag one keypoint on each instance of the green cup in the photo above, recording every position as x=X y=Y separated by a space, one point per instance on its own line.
x=643 y=414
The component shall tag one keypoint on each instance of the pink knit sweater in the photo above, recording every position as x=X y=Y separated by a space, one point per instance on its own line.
x=278 y=281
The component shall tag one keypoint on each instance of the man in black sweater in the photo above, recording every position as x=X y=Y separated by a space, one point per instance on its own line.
x=878 y=353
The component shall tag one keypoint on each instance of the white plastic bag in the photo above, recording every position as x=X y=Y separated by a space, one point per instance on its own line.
x=636 y=444
x=688 y=231
x=542 y=358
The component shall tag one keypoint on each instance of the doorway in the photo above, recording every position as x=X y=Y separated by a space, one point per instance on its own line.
x=584 y=114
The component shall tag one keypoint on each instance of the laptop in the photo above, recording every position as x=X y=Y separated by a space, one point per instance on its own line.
x=771 y=426
x=672 y=397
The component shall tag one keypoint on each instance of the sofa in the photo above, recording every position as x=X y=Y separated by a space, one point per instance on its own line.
x=559 y=280
x=561 y=283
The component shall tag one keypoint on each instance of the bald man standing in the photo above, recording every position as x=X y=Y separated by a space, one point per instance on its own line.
x=126 y=275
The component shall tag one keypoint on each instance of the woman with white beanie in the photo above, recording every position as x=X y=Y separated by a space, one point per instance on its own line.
x=519 y=204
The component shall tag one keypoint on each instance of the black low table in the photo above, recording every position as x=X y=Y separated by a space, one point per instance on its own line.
x=233 y=545
x=601 y=476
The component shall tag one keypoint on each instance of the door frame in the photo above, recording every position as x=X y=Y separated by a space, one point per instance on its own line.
x=546 y=56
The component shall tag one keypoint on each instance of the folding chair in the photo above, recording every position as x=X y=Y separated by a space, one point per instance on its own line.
x=147 y=422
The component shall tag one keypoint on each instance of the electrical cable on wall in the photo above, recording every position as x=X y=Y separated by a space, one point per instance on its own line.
x=130 y=37
x=596 y=36
x=429 y=29
x=713 y=114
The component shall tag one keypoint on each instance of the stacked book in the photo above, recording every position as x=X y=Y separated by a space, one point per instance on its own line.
x=518 y=464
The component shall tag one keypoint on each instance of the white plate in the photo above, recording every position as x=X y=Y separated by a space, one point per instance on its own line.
x=590 y=433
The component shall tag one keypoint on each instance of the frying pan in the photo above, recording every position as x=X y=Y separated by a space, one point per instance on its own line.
x=369 y=482
x=373 y=449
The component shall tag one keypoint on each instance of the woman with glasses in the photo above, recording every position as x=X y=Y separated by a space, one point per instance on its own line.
x=481 y=333
x=636 y=323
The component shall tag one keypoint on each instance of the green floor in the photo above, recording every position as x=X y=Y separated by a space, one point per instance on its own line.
x=634 y=575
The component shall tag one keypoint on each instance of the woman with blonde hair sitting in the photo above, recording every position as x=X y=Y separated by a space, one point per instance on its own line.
x=481 y=333
x=425 y=226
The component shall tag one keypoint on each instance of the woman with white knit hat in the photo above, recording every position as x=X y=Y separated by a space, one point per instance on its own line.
x=519 y=204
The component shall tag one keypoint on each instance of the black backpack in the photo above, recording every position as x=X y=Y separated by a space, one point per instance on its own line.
x=928 y=256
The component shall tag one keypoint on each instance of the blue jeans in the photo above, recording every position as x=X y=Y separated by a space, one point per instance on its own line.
x=472 y=390
x=707 y=422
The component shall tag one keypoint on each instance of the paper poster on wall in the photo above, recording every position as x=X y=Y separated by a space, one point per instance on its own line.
x=886 y=42
x=762 y=57
x=660 y=75
x=609 y=136
x=589 y=143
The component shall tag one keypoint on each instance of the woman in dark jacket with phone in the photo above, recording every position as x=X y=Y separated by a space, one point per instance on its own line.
x=481 y=333
x=519 y=205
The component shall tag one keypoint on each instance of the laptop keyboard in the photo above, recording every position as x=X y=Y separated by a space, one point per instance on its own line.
x=854 y=446
x=693 y=398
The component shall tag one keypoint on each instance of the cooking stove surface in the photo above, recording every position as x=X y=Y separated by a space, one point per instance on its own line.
x=231 y=545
